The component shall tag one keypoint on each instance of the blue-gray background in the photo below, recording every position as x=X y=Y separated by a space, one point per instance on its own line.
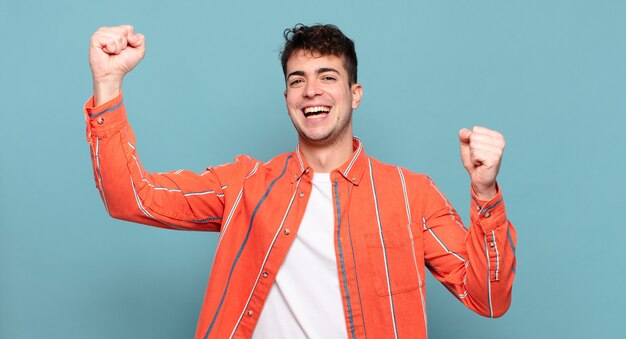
x=550 y=75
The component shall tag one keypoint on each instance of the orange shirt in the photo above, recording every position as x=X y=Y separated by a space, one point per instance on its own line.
x=390 y=224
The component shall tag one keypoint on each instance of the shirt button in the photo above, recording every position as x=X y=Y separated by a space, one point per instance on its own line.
x=250 y=313
x=487 y=215
x=301 y=194
x=478 y=208
x=287 y=231
x=492 y=244
x=265 y=274
x=100 y=120
x=306 y=171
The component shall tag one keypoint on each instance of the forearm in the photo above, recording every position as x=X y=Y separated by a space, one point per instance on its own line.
x=476 y=264
x=491 y=250
x=131 y=193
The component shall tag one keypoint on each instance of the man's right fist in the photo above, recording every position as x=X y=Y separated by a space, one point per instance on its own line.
x=113 y=52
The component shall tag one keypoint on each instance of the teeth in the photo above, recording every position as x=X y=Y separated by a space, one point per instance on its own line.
x=316 y=109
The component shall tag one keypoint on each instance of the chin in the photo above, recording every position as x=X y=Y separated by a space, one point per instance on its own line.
x=320 y=140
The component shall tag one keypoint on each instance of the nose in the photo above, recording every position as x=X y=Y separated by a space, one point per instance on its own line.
x=311 y=90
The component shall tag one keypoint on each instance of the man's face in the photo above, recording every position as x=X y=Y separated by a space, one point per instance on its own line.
x=320 y=98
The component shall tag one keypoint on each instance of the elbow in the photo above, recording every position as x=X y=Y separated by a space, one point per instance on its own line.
x=498 y=306
x=494 y=312
x=493 y=305
x=122 y=212
x=121 y=205
x=119 y=214
x=500 y=311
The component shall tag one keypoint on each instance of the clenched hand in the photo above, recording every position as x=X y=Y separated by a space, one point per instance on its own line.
x=481 y=154
x=113 y=52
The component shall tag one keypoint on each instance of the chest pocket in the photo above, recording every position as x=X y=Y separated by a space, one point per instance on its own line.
x=394 y=266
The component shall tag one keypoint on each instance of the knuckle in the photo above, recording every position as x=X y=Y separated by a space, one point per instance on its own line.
x=104 y=40
x=123 y=29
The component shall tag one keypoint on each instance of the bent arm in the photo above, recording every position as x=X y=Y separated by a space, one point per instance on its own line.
x=477 y=264
x=175 y=200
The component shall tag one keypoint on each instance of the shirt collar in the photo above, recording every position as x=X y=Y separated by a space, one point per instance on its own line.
x=352 y=170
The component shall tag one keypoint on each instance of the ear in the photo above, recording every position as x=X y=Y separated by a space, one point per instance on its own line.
x=357 y=94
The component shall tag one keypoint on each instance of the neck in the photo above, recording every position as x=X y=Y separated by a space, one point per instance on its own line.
x=324 y=159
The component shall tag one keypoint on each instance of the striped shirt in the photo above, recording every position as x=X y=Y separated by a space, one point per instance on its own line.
x=390 y=225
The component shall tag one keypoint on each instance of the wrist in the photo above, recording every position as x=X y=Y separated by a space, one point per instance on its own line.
x=105 y=90
x=485 y=193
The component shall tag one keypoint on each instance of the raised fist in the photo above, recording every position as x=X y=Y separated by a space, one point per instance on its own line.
x=113 y=52
x=481 y=154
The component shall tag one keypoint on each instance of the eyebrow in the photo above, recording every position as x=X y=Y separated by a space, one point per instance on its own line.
x=318 y=71
x=327 y=69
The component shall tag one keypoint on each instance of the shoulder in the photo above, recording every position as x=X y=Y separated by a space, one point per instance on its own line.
x=240 y=167
x=275 y=167
x=244 y=165
x=395 y=170
x=279 y=161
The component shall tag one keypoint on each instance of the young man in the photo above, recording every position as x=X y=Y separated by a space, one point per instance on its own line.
x=322 y=242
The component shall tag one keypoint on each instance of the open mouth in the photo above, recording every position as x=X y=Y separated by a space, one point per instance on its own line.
x=316 y=111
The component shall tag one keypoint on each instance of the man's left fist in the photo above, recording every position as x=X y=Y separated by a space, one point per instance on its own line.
x=481 y=154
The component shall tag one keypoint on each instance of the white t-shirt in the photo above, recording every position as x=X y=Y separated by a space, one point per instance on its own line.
x=305 y=300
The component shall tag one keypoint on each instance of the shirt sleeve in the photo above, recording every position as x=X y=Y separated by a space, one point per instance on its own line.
x=177 y=200
x=477 y=264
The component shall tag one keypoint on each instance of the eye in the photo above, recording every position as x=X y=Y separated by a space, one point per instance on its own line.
x=328 y=78
x=296 y=82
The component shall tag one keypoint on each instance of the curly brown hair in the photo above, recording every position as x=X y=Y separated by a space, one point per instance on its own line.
x=322 y=40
